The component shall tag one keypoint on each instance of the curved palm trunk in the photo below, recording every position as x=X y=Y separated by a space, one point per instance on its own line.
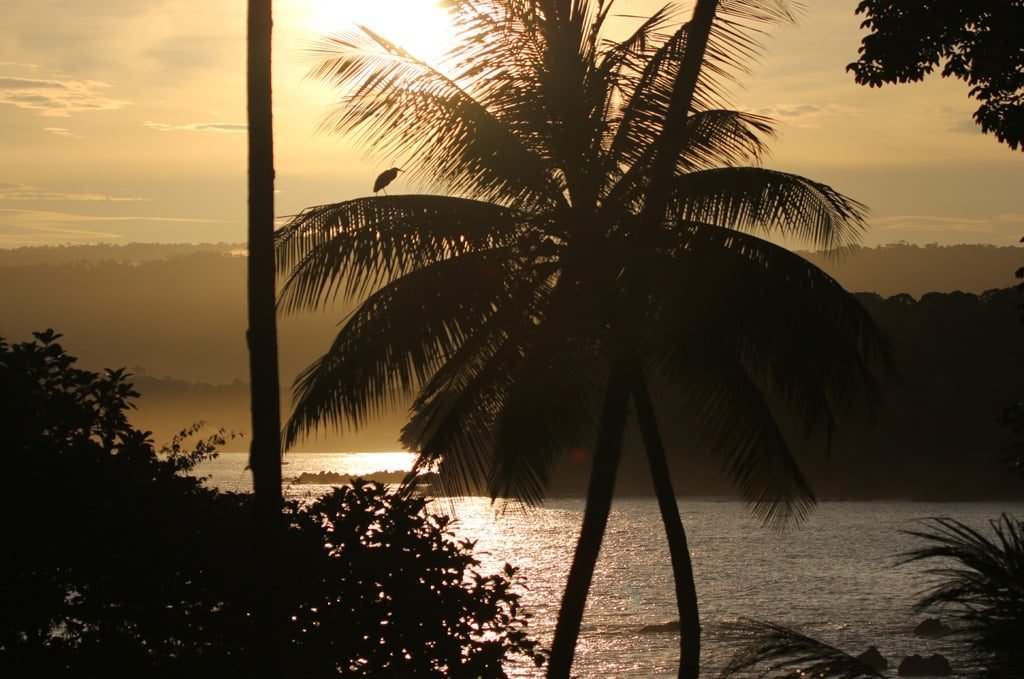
x=673 y=135
x=265 y=450
x=682 y=567
x=595 y=519
x=613 y=417
x=662 y=172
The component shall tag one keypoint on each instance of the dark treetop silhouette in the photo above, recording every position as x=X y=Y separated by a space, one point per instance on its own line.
x=597 y=234
x=979 y=42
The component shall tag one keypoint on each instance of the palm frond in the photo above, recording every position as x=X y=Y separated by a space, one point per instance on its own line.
x=766 y=649
x=778 y=332
x=645 y=127
x=622 y=66
x=798 y=331
x=979 y=584
x=596 y=15
x=454 y=416
x=731 y=414
x=734 y=43
x=498 y=59
x=718 y=137
x=644 y=109
x=549 y=409
x=397 y=338
x=799 y=334
x=823 y=292
x=629 y=54
x=512 y=399
x=486 y=32
x=353 y=247
x=409 y=112
x=764 y=201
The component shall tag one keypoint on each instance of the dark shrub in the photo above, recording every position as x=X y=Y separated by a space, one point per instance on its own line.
x=117 y=563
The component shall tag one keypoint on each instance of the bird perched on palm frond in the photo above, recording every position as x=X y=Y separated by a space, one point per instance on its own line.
x=385 y=178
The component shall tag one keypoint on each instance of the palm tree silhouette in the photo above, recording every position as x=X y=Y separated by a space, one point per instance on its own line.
x=597 y=234
x=261 y=336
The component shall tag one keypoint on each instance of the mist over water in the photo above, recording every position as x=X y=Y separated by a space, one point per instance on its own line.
x=834 y=577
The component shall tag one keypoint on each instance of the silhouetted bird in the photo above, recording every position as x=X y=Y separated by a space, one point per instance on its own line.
x=385 y=178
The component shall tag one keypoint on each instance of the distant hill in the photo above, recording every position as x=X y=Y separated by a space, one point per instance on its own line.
x=175 y=316
x=181 y=316
x=178 y=311
x=129 y=253
x=167 y=406
x=915 y=270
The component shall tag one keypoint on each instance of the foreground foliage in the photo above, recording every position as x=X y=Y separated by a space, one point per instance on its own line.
x=118 y=564
x=978 y=582
x=767 y=650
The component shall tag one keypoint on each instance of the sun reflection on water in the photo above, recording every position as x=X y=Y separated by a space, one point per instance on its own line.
x=835 y=577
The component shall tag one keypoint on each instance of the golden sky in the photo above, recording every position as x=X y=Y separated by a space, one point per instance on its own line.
x=123 y=121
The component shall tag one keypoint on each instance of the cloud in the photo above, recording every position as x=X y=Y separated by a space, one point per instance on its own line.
x=40 y=227
x=1000 y=224
x=22 y=192
x=197 y=127
x=29 y=227
x=41 y=235
x=76 y=36
x=807 y=115
x=58 y=98
x=29 y=217
x=62 y=132
x=30 y=84
x=783 y=111
x=964 y=124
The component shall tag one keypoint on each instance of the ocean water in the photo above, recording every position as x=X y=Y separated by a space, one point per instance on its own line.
x=836 y=577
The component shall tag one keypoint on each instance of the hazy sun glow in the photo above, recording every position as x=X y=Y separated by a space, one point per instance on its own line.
x=421 y=27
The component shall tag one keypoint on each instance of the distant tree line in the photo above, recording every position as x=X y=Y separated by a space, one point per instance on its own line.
x=938 y=434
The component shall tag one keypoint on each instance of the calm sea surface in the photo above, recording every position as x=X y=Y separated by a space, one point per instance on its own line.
x=835 y=577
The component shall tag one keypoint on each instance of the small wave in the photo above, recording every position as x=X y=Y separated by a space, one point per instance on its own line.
x=339 y=479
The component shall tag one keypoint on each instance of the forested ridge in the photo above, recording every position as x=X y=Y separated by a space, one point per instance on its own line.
x=179 y=323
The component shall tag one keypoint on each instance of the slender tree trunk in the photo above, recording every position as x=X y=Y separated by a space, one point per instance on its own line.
x=265 y=449
x=595 y=519
x=663 y=171
x=673 y=135
x=682 y=567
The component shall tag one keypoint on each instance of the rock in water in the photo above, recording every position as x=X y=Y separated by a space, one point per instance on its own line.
x=932 y=666
x=873 y=659
x=672 y=626
x=932 y=627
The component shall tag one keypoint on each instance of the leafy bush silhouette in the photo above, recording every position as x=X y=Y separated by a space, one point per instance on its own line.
x=118 y=563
